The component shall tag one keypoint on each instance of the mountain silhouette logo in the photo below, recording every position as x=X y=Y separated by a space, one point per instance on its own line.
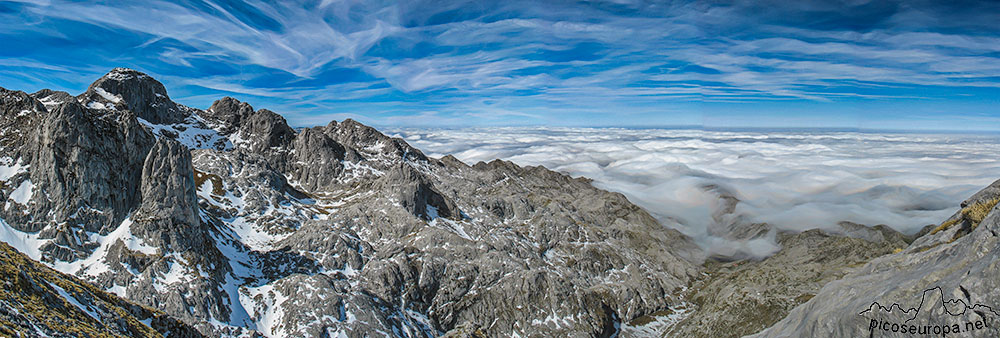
x=933 y=316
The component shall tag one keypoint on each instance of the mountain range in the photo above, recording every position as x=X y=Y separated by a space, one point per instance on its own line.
x=229 y=222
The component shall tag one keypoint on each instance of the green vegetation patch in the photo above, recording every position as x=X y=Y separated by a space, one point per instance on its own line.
x=200 y=178
x=974 y=214
x=30 y=289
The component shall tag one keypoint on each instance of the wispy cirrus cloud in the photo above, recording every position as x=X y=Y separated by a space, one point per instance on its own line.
x=523 y=62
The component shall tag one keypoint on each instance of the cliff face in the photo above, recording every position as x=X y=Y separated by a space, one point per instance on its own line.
x=949 y=276
x=237 y=224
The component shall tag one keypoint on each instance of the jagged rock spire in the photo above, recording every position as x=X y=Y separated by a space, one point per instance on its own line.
x=169 y=204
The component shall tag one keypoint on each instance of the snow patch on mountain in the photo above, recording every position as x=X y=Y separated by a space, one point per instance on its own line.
x=9 y=168
x=26 y=243
x=122 y=74
x=243 y=268
x=75 y=302
x=96 y=264
x=192 y=133
x=655 y=324
x=50 y=102
x=446 y=224
x=107 y=96
x=98 y=105
x=22 y=194
x=266 y=303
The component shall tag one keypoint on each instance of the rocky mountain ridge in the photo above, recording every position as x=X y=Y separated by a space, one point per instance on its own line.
x=231 y=221
x=37 y=301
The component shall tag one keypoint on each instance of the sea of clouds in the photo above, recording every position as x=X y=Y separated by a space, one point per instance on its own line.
x=792 y=180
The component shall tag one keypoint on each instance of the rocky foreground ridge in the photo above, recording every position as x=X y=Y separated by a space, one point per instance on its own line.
x=234 y=223
x=950 y=276
x=37 y=301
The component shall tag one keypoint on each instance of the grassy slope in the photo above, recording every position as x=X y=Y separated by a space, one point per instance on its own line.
x=31 y=305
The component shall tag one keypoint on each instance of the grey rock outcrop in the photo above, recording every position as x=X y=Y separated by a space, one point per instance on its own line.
x=318 y=161
x=87 y=177
x=19 y=111
x=965 y=268
x=371 y=141
x=227 y=114
x=416 y=194
x=174 y=263
x=501 y=277
x=260 y=129
x=16 y=103
x=168 y=216
x=51 y=98
x=736 y=298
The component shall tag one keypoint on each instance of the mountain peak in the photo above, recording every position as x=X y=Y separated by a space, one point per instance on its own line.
x=227 y=112
x=122 y=74
x=129 y=89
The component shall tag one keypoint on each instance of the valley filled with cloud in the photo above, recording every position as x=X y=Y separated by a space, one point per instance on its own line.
x=791 y=180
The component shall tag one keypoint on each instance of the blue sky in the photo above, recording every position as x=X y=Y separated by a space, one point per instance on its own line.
x=839 y=64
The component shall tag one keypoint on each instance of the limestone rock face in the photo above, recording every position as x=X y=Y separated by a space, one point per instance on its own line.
x=260 y=130
x=18 y=111
x=371 y=140
x=961 y=262
x=416 y=194
x=168 y=216
x=51 y=98
x=18 y=103
x=86 y=178
x=227 y=114
x=318 y=160
x=171 y=260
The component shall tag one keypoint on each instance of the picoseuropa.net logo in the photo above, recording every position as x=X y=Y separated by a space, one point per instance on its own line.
x=937 y=330
x=934 y=316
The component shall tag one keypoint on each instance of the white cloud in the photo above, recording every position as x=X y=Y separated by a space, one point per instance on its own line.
x=301 y=44
x=794 y=181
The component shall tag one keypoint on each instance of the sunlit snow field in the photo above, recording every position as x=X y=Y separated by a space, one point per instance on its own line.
x=789 y=179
